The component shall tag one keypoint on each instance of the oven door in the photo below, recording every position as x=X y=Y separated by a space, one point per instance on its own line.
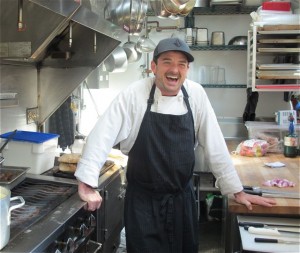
x=110 y=215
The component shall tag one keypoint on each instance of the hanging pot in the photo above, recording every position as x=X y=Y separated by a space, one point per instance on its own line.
x=172 y=7
x=145 y=45
x=130 y=15
x=188 y=8
x=132 y=54
x=5 y=213
x=180 y=2
x=159 y=9
x=116 y=61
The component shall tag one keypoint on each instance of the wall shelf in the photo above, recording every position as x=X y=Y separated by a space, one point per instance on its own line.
x=218 y=48
x=6 y=103
x=243 y=86
x=224 y=9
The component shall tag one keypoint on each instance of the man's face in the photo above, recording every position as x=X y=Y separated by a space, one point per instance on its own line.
x=170 y=72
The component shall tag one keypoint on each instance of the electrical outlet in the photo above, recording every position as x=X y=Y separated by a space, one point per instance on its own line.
x=31 y=115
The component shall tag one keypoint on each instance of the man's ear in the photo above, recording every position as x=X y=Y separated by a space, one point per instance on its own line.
x=153 y=67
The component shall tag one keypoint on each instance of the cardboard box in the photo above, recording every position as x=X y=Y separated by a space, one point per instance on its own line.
x=30 y=149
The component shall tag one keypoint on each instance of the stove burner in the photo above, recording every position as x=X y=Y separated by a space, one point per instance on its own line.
x=40 y=197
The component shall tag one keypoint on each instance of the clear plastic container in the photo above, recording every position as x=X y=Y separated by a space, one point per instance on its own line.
x=271 y=132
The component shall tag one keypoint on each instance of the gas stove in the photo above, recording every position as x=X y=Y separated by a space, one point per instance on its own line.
x=54 y=219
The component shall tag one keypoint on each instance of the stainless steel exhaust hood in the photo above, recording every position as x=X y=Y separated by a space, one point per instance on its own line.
x=64 y=39
x=48 y=31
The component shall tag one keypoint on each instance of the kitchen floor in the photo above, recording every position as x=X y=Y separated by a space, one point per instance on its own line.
x=210 y=236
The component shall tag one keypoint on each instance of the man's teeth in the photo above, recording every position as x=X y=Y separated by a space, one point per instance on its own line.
x=172 y=77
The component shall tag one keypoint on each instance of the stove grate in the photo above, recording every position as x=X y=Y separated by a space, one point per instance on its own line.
x=41 y=197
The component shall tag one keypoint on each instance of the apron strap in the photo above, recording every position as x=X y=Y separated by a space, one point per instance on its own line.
x=186 y=100
x=150 y=100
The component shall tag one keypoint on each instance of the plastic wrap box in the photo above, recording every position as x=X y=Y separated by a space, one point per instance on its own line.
x=30 y=149
x=271 y=132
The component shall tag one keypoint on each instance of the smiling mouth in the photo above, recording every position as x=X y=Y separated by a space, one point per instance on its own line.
x=172 y=78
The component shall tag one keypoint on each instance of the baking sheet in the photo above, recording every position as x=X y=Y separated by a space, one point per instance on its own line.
x=248 y=242
x=278 y=50
x=286 y=66
x=280 y=32
x=284 y=74
x=279 y=41
x=13 y=176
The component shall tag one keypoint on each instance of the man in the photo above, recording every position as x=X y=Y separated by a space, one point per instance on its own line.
x=158 y=122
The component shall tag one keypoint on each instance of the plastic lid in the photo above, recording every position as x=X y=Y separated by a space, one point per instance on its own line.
x=36 y=137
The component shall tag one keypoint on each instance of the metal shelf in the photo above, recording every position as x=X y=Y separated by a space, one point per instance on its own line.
x=258 y=53
x=224 y=10
x=224 y=86
x=218 y=48
x=218 y=10
x=277 y=87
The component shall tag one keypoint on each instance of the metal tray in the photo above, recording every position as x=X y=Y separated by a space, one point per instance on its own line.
x=16 y=176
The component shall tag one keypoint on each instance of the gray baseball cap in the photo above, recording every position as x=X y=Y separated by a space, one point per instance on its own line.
x=172 y=44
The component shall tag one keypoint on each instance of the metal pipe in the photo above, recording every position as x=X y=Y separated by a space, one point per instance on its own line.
x=21 y=26
x=70 y=34
x=161 y=28
x=147 y=55
x=95 y=42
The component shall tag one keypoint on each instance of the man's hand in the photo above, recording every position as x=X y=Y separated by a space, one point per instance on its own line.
x=90 y=195
x=248 y=200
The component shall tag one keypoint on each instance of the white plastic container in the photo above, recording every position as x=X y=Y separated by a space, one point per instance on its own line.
x=31 y=149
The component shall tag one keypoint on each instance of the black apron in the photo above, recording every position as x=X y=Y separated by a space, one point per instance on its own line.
x=160 y=209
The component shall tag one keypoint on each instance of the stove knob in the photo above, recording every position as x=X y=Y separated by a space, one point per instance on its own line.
x=70 y=247
x=92 y=221
x=83 y=230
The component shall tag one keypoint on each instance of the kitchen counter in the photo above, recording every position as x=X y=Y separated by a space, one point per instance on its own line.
x=253 y=172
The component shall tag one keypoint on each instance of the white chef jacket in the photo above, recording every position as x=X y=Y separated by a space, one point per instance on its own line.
x=121 y=123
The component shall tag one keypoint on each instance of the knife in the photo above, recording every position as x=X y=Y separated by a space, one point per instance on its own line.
x=259 y=189
x=289 y=195
x=268 y=240
x=262 y=225
x=269 y=231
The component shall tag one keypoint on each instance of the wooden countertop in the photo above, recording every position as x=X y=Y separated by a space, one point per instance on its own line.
x=253 y=172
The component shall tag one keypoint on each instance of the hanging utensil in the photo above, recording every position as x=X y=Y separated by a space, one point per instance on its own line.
x=7 y=140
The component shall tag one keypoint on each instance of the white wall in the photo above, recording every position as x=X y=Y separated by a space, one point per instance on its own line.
x=227 y=102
